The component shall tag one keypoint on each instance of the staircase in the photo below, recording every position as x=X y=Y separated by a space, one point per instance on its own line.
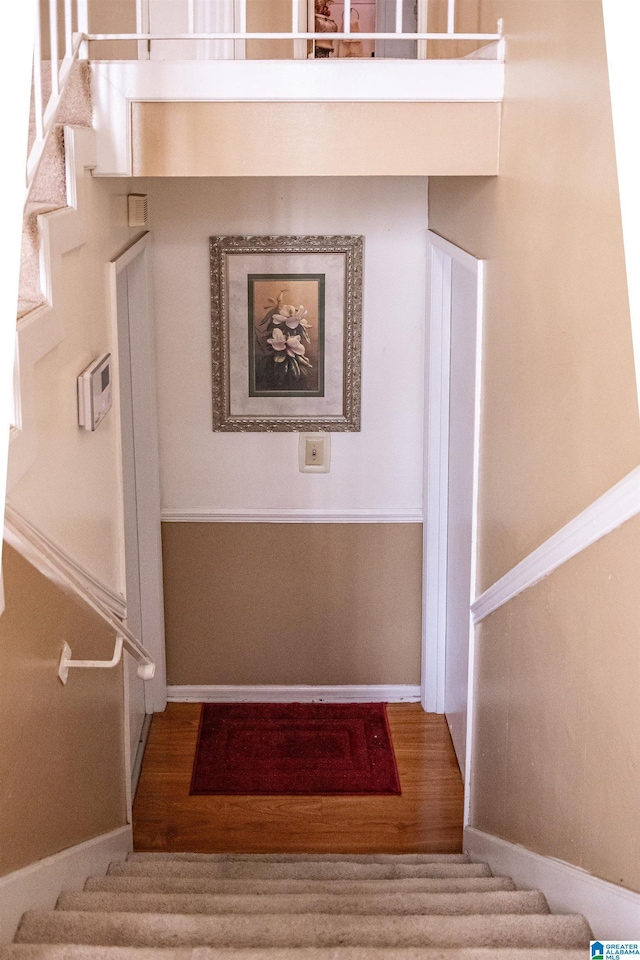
x=302 y=907
x=49 y=190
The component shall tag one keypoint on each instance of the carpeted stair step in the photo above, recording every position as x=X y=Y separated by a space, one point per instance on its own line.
x=317 y=887
x=128 y=929
x=76 y=952
x=313 y=870
x=442 y=904
x=75 y=109
x=31 y=295
x=49 y=189
x=401 y=858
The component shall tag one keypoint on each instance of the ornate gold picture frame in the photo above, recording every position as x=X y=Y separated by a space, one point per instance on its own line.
x=286 y=332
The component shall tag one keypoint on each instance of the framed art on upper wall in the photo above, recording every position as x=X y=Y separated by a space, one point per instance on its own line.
x=286 y=329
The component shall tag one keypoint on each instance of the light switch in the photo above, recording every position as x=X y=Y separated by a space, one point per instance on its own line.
x=314 y=452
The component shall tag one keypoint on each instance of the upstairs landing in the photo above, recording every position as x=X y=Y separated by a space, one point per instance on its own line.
x=297 y=117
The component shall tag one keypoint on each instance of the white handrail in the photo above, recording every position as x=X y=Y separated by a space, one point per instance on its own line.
x=306 y=35
x=19 y=533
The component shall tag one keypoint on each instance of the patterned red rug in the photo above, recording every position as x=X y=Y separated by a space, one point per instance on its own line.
x=294 y=749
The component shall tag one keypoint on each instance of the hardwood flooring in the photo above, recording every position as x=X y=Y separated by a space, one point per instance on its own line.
x=427 y=817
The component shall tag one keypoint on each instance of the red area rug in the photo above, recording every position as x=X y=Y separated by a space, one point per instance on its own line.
x=294 y=749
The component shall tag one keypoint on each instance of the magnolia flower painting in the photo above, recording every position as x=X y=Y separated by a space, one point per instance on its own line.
x=286 y=335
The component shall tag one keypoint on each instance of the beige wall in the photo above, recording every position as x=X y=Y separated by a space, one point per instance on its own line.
x=292 y=603
x=314 y=139
x=113 y=16
x=274 y=16
x=61 y=749
x=559 y=408
x=557 y=724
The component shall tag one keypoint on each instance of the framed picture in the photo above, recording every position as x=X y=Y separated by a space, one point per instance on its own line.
x=286 y=319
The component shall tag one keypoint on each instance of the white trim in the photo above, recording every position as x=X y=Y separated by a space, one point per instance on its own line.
x=456 y=253
x=619 y=504
x=118 y=84
x=141 y=343
x=436 y=477
x=613 y=912
x=139 y=757
x=38 y=886
x=436 y=482
x=620 y=21
x=48 y=556
x=397 y=515
x=471 y=673
x=222 y=693
x=129 y=254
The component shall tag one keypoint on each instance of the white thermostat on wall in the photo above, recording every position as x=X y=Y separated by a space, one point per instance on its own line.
x=94 y=392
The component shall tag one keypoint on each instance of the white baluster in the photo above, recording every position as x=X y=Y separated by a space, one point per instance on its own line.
x=243 y=16
x=423 y=19
x=451 y=16
x=295 y=17
x=68 y=28
x=347 y=16
x=83 y=25
x=37 y=77
x=53 y=45
x=191 y=8
x=398 y=16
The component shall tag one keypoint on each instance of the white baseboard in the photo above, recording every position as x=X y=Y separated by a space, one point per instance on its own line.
x=613 y=912
x=38 y=886
x=376 y=693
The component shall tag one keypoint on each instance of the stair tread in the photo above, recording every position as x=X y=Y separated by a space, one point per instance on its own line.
x=27 y=306
x=124 y=929
x=162 y=884
x=500 y=902
x=306 y=870
x=408 y=858
x=83 y=952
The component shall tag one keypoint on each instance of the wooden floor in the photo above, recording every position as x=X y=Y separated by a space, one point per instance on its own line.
x=427 y=816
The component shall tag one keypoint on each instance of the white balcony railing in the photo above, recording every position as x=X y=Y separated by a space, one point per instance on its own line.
x=313 y=25
x=58 y=39
x=221 y=30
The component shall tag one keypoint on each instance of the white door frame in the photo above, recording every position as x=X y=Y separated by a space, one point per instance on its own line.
x=436 y=481
x=147 y=467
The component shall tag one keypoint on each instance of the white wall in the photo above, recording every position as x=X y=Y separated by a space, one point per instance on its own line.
x=378 y=469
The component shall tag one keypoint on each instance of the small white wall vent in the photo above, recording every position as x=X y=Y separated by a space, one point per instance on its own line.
x=138 y=209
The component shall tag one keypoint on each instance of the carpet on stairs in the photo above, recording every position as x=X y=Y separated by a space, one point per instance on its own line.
x=299 y=907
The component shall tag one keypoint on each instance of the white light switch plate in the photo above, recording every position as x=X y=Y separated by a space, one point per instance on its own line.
x=314 y=452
